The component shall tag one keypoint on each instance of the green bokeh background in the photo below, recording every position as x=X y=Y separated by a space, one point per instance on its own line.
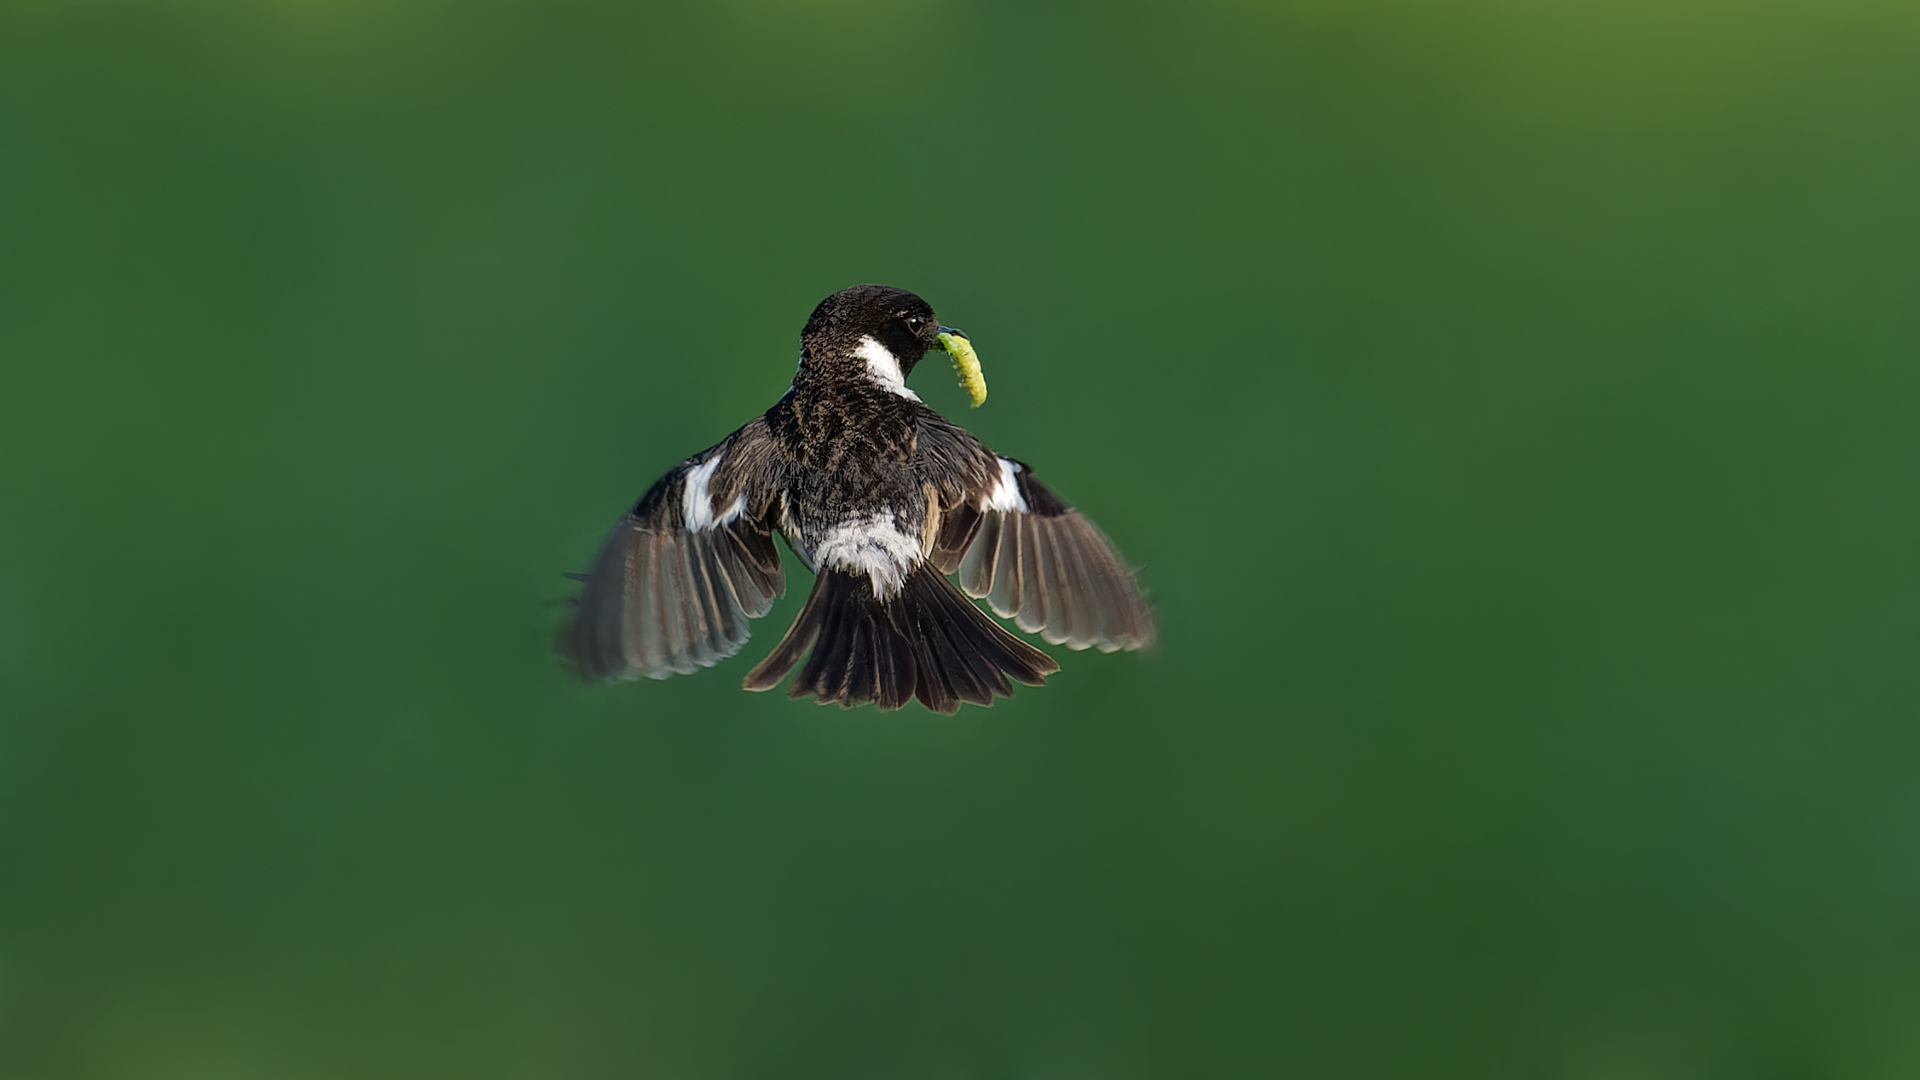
x=1514 y=407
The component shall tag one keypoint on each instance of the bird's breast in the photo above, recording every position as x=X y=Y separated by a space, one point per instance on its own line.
x=864 y=520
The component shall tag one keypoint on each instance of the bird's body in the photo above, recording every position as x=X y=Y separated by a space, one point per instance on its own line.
x=881 y=497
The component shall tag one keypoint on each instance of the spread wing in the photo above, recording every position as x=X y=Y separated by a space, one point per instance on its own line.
x=1037 y=560
x=674 y=585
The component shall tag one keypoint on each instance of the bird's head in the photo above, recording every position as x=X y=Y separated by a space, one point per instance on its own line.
x=878 y=333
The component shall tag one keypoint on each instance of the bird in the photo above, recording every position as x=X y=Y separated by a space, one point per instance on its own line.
x=882 y=498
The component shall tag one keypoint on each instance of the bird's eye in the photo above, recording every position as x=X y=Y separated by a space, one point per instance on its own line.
x=915 y=322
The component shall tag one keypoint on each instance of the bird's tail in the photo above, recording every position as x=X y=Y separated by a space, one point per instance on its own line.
x=926 y=641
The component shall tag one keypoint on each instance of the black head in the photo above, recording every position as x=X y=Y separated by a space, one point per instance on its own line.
x=895 y=318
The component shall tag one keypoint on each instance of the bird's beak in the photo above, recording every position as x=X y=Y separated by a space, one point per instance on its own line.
x=965 y=362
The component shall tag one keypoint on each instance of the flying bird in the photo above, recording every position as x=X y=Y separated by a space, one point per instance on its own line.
x=882 y=498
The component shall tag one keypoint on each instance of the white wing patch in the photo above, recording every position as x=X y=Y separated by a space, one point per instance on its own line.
x=699 y=499
x=872 y=545
x=883 y=367
x=1005 y=494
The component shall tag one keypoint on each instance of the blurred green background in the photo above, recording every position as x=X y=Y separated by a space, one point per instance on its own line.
x=1513 y=405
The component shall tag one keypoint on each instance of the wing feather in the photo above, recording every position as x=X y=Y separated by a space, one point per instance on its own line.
x=1035 y=559
x=1005 y=598
x=675 y=584
x=1032 y=616
x=982 y=552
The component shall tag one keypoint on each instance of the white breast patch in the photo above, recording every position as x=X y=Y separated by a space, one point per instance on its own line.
x=872 y=545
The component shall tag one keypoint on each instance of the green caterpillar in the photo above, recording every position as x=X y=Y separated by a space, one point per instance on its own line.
x=967 y=363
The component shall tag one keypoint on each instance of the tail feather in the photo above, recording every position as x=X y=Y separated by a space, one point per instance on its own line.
x=862 y=680
x=972 y=673
x=987 y=677
x=896 y=675
x=927 y=641
x=825 y=672
x=1000 y=653
x=799 y=637
x=935 y=687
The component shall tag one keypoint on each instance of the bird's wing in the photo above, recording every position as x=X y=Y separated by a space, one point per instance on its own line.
x=674 y=585
x=1037 y=560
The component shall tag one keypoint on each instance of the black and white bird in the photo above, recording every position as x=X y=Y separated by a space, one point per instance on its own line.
x=881 y=497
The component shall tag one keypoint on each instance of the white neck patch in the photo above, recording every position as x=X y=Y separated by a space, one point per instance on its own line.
x=883 y=367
